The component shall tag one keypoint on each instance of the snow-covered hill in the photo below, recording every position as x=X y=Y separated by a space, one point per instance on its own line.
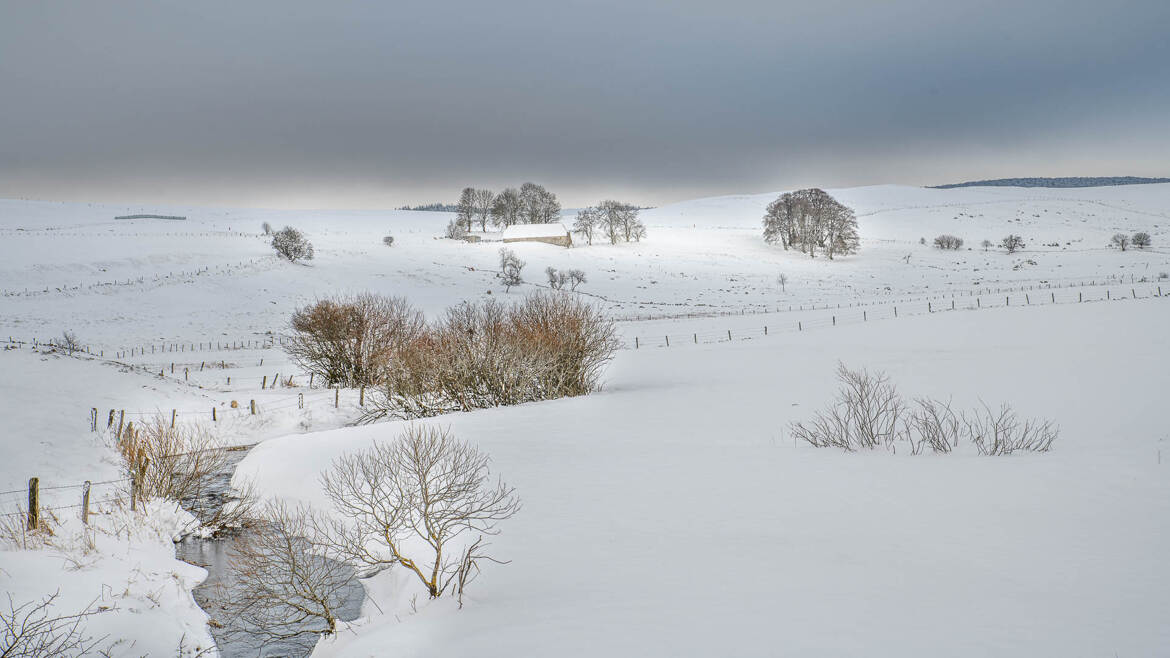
x=670 y=513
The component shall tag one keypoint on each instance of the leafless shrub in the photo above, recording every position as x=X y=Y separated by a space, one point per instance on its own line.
x=70 y=342
x=931 y=424
x=986 y=244
x=556 y=280
x=267 y=228
x=292 y=245
x=576 y=278
x=173 y=462
x=409 y=502
x=865 y=414
x=288 y=588
x=1141 y=240
x=350 y=340
x=868 y=412
x=489 y=354
x=388 y=240
x=1001 y=432
x=35 y=630
x=1120 y=240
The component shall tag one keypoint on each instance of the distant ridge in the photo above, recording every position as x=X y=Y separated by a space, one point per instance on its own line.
x=1071 y=181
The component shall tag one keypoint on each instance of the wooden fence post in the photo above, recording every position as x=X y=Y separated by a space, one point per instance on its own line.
x=668 y=341
x=252 y=404
x=173 y=414
x=728 y=334
x=34 y=503
x=362 y=396
x=696 y=335
x=264 y=382
x=85 y=502
x=213 y=419
x=121 y=419
x=798 y=327
x=94 y=413
x=311 y=379
x=300 y=400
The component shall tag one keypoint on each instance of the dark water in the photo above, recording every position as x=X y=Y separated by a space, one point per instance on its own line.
x=212 y=554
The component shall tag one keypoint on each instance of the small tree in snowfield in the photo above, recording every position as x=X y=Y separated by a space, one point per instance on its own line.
x=1012 y=243
x=510 y=266
x=1121 y=241
x=291 y=244
x=1141 y=240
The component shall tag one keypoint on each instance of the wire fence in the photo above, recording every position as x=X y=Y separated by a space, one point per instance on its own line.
x=894 y=311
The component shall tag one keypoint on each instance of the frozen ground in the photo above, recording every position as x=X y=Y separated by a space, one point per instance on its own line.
x=670 y=513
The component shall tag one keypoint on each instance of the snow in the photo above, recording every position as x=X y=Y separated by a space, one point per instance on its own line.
x=671 y=512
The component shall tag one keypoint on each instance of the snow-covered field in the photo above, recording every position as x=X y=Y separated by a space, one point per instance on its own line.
x=671 y=513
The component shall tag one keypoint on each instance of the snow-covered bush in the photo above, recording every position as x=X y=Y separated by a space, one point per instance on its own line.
x=349 y=340
x=1141 y=240
x=1120 y=240
x=866 y=413
x=267 y=228
x=415 y=503
x=986 y=244
x=576 y=278
x=456 y=230
x=292 y=245
x=946 y=241
x=556 y=280
x=388 y=240
x=510 y=268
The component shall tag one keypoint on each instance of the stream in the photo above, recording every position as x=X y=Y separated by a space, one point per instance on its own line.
x=212 y=554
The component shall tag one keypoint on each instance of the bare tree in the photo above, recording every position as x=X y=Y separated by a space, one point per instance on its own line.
x=465 y=208
x=292 y=245
x=986 y=244
x=510 y=268
x=35 y=630
x=556 y=280
x=289 y=588
x=267 y=228
x=782 y=281
x=576 y=278
x=506 y=208
x=538 y=205
x=588 y=220
x=482 y=203
x=1120 y=240
x=1012 y=243
x=619 y=220
x=409 y=503
x=1141 y=240
x=349 y=340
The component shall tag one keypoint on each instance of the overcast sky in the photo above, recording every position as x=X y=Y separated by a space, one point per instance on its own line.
x=377 y=104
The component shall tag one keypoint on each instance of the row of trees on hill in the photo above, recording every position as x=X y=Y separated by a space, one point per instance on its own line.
x=811 y=219
x=531 y=204
x=612 y=220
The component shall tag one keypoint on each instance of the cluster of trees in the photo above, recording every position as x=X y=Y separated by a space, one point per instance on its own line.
x=869 y=413
x=557 y=279
x=531 y=204
x=478 y=355
x=1141 y=240
x=946 y=241
x=811 y=219
x=612 y=220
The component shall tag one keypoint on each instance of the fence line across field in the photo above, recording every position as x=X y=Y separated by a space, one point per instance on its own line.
x=896 y=311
